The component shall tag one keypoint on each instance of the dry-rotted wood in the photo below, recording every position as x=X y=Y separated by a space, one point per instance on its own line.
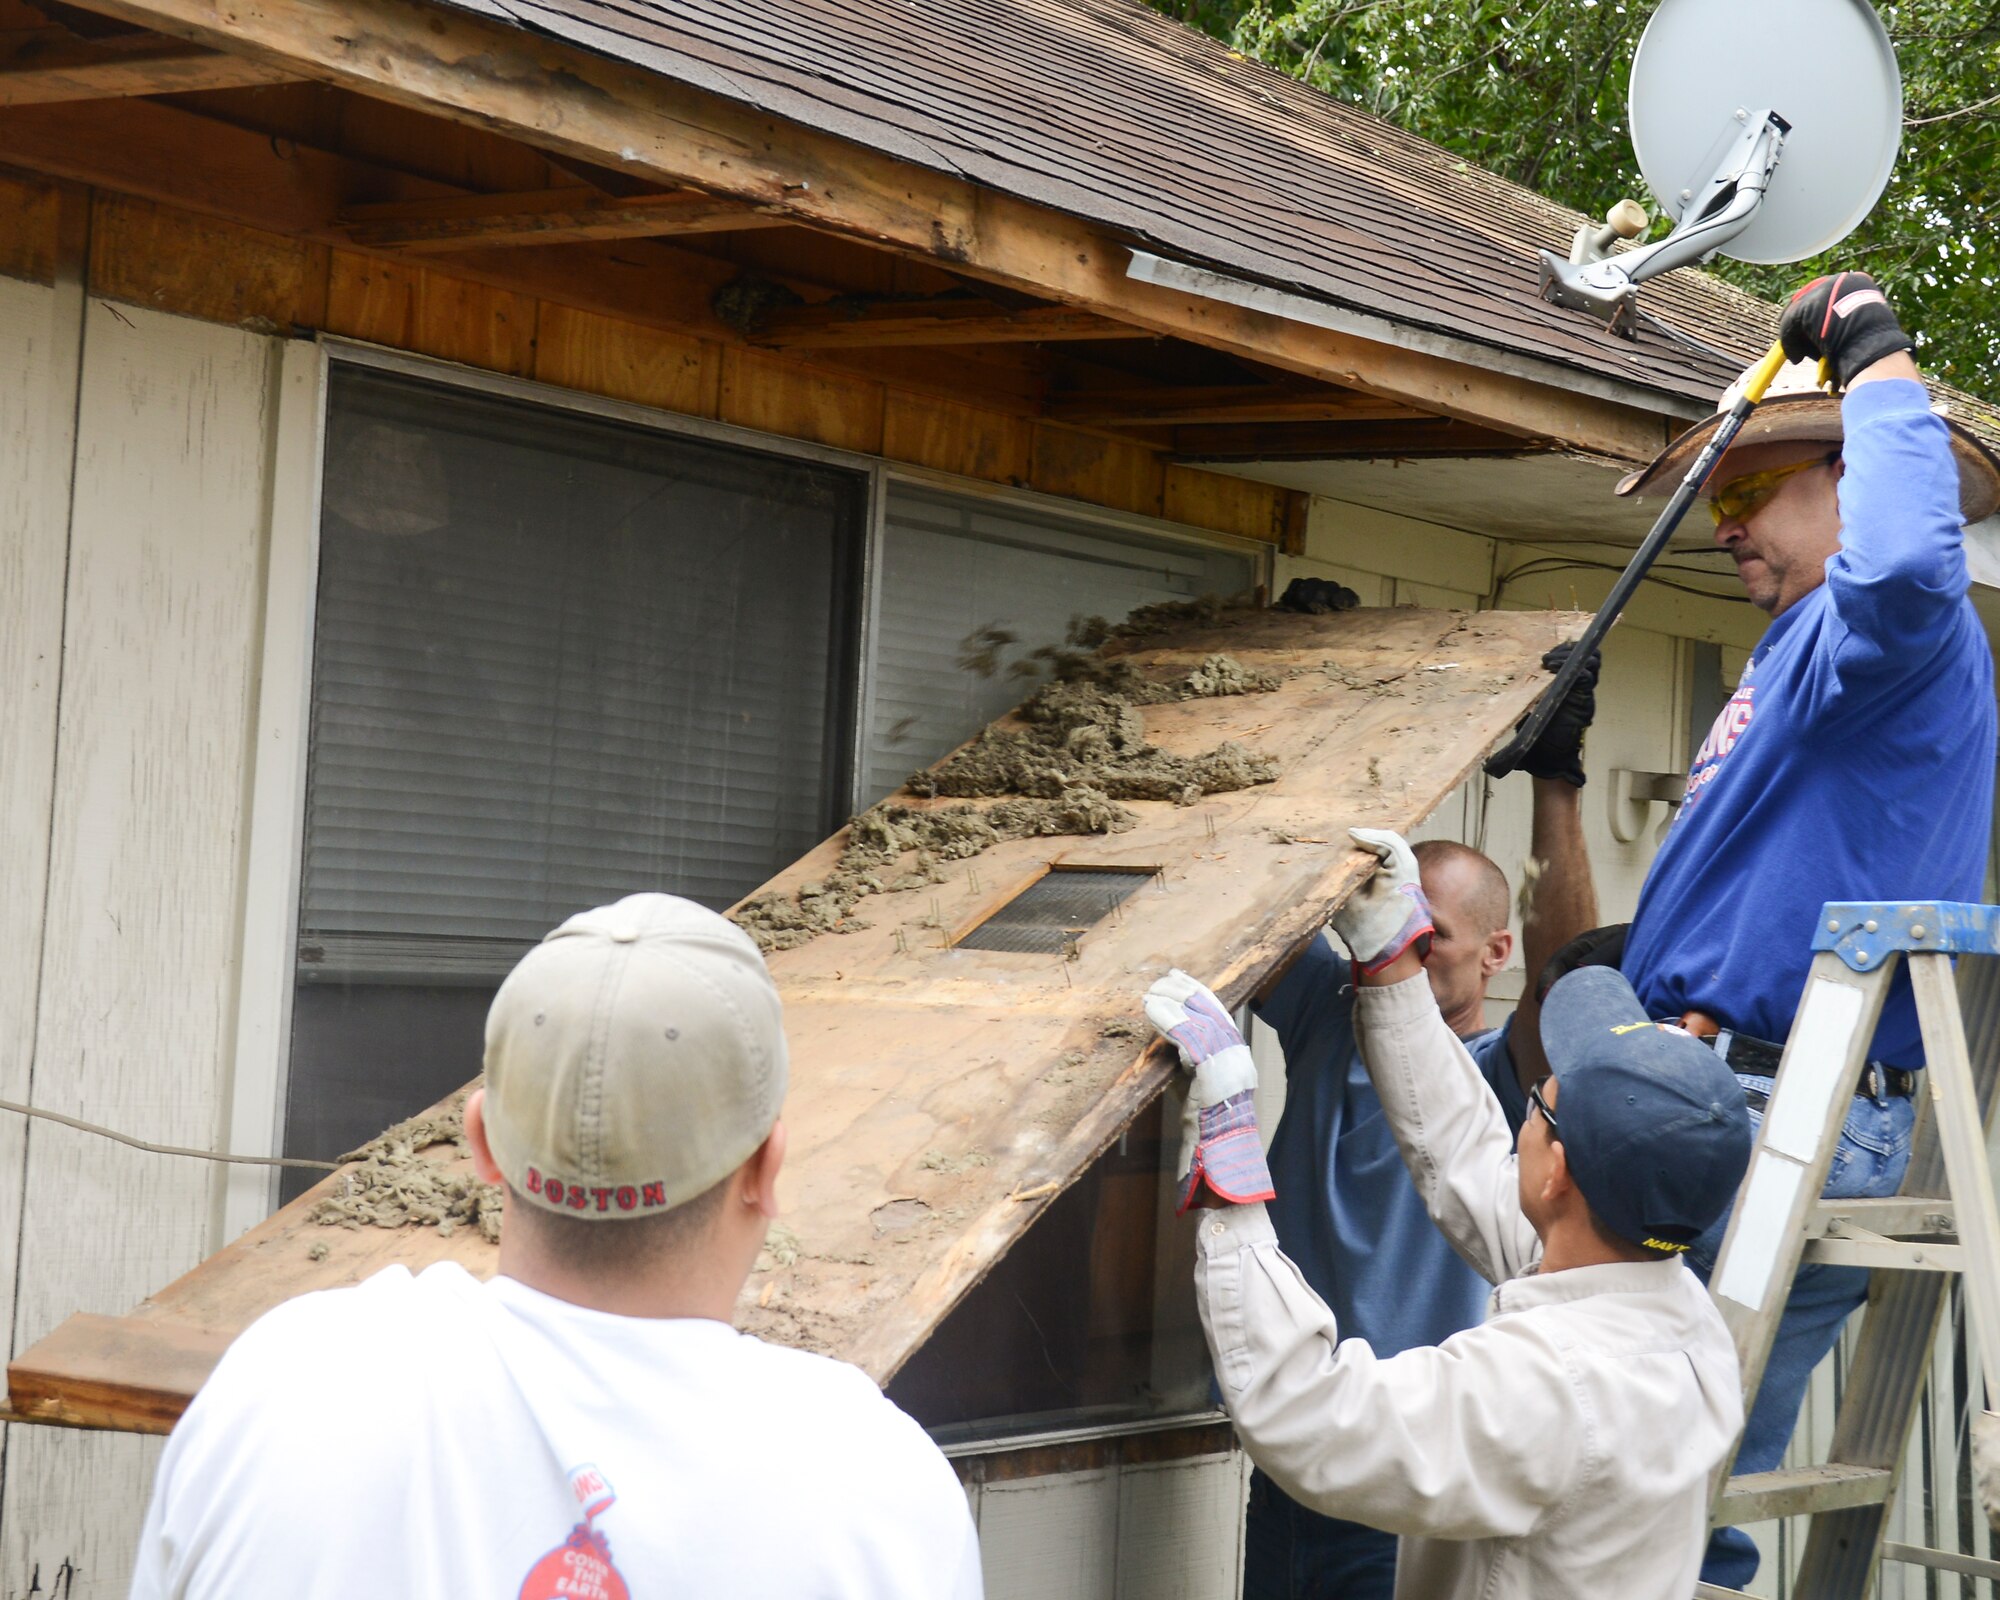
x=39 y=65
x=581 y=104
x=955 y=320
x=942 y=1097
x=556 y=216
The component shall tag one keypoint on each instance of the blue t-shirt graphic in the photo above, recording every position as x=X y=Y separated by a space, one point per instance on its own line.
x=1854 y=762
x=1346 y=1212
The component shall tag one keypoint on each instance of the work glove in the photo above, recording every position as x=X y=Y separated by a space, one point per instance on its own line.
x=1846 y=321
x=1388 y=913
x=1316 y=597
x=1219 y=1143
x=1558 y=753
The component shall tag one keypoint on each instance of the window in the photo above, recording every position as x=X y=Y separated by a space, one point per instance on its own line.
x=557 y=660
x=952 y=567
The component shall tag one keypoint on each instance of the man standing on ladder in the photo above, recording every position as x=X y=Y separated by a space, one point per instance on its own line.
x=1855 y=760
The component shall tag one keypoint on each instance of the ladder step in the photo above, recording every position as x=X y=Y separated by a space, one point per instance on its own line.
x=1942 y=1560
x=1797 y=1491
x=1897 y=1214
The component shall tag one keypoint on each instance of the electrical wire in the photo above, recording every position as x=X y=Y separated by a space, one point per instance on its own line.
x=166 y=1149
x=1543 y=566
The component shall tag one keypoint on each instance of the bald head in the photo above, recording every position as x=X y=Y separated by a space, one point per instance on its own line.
x=1470 y=940
x=1462 y=883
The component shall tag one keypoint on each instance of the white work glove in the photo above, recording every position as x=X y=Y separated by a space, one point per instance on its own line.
x=1388 y=913
x=1219 y=1143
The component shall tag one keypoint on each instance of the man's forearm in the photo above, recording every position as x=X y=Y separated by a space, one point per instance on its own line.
x=1562 y=904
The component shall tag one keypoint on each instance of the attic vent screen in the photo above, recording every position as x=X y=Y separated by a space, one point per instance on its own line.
x=1056 y=908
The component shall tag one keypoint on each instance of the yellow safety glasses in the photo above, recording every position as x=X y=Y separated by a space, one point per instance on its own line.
x=1746 y=496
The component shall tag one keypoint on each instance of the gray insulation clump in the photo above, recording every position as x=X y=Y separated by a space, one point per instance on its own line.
x=1082 y=749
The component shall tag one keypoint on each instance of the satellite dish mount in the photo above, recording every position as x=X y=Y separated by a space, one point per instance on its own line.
x=1825 y=73
x=1711 y=215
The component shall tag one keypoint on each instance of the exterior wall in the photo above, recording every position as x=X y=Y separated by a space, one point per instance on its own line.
x=940 y=409
x=151 y=582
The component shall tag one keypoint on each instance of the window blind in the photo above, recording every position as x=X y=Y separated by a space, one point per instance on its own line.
x=559 y=660
x=953 y=566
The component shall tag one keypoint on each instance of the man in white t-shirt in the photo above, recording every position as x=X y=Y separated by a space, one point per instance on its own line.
x=587 y=1423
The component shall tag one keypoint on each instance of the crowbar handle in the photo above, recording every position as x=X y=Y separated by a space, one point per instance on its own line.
x=1508 y=758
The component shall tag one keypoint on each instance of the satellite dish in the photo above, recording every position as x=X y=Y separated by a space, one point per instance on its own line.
x=1766 y=128
x=1825 y=66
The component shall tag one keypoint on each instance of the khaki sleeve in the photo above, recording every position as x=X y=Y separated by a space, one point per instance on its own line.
x=1477 y=1438
x=1450 y=1129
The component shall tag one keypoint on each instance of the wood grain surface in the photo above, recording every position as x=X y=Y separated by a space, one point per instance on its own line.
x=942 y=1097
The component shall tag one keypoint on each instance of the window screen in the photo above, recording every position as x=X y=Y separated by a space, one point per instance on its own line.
x=557 y=660
x=953 y=566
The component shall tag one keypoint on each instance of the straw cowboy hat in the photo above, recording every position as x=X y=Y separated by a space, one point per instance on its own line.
x=1795 y=407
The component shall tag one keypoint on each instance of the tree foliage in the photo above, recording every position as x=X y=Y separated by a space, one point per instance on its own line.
x=1535 y=90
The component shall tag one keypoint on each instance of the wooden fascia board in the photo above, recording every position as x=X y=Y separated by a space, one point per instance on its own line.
x=567 y=100
x=42 y=65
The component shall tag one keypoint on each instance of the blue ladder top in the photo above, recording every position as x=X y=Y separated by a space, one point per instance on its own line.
x=1864 y=933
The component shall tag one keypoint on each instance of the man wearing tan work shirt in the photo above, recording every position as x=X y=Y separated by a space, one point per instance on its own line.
x=1566 y=1446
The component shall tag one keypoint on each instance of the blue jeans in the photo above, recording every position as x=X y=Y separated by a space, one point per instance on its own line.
x=1870 y=1159
x=1290 y=1553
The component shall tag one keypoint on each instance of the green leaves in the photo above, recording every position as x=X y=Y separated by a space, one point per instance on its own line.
x=1535 y=91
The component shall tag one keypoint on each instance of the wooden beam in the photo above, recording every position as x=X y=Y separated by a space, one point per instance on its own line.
x=1323 y=441
x=40 y=65
x=574 y=102
x=176 y=157
x=1133 y=408
x=958 y=320
x=552 y=216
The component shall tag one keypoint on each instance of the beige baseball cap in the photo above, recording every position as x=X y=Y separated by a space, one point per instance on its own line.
x=634 y=1059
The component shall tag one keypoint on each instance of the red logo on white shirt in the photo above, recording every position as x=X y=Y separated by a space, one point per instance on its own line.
x=580 y=1568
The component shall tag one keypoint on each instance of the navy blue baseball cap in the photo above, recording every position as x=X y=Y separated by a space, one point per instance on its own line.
x=1654 y=1124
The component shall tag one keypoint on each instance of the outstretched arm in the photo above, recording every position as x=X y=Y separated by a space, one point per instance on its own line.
x=1564 y=904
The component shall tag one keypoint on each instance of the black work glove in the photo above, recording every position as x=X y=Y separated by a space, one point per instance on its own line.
x=1559 y=751
x=1601 y=947
x=1317 y=596
x=1846 y=321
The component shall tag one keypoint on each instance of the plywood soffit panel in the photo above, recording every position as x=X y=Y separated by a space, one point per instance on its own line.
x=941 y=1096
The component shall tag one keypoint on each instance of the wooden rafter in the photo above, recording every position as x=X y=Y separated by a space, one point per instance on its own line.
x=550 y=216
x=174 y=156
x=944 y=321
x=567 y=100
x=1322 y=441
x=40 y=65
x=1229 y=403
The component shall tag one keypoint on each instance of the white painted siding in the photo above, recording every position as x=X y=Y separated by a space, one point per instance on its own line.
x=37 y=404
x=1162 y=1531
x=137 y=995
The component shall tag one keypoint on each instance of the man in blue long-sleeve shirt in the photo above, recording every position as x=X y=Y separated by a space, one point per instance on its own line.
x=1855 y=760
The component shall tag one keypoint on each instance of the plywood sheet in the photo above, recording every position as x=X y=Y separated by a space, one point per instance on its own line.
x=941 y=1097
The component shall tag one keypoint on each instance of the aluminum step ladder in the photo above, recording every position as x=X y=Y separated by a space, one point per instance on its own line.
x=1943 y=1221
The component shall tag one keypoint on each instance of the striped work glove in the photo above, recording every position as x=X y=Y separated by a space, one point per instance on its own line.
x=1219 y=1143
x=1388 y=913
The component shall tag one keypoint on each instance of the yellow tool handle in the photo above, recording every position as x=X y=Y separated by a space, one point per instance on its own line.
x=1762 y=374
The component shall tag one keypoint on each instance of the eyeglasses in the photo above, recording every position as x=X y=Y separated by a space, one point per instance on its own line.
x=1541 y=1105
x=1746 y=496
